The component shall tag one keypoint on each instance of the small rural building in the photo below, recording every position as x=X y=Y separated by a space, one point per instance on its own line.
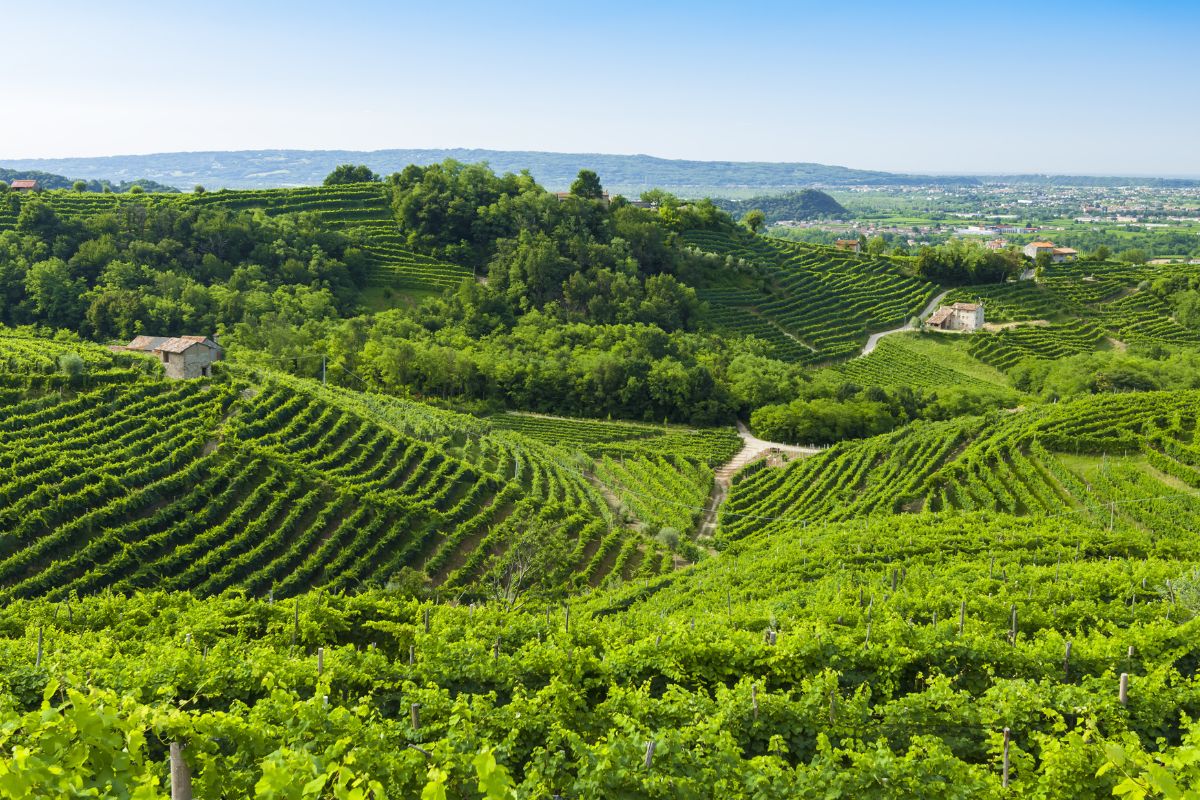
x=1057 y=254
x=181 y=356
x=853 y=245
x=957 y=317
x=24 y=185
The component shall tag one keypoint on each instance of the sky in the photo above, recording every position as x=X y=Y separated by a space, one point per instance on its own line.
x=1060 y=86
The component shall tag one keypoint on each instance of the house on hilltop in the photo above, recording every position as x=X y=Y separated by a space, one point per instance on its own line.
x=24 y=185
x=853 y=245
x=181 y=356
x=1057 y=254
x=957 y=317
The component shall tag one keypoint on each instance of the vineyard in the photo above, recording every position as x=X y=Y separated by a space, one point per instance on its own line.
x=1125 y=460
x=361 y=211
x=276 y=484
x=818 y=304
x=967 y=653
x=261 y=585
x=1085 y=304
x=926 y=361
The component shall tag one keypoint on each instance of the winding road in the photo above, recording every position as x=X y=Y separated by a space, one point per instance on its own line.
x=874 y=338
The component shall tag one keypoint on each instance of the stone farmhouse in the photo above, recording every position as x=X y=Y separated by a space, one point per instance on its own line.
x=1057 y=254
x=181 y=356
x=853 y=245
x=24 y=185
x=957 y=317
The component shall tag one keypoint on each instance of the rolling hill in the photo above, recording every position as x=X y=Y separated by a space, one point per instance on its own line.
x=628 y=174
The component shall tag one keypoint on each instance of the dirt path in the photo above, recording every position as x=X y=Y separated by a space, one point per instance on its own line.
x=874 y=338
x=752 y=448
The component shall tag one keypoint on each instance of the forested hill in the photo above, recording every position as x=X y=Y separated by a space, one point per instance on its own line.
x=628 y=174
x=805 y=204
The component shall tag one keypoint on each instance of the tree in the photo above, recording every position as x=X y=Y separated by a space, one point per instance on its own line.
x=754 y=219
x=1101 y=253
x=587 y=185
x=349 y=173
x=3 y=187
x=1134 y=256
x=79 y=186
x=135 y=189
x=198 y=189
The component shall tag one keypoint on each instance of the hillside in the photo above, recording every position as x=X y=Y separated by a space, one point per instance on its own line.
x=816 y=304
x=628 y=174
x=273 y=484
x=483 y=502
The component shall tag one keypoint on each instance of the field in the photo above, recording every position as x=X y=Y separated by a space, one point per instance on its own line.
x=926 y=361
x=1013 y=463
x=818 y=304
x=275 y=484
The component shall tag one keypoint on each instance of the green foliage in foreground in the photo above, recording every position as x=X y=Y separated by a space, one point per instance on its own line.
x=871 y=686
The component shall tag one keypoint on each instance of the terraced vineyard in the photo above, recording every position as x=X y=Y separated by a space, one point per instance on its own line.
x=820 y=304
x=925 y=361
x=272 y=483
x=362 y=211
x=1005 y=348
x=711 y=446
x=1087 y=301
x=1123 y=459
x=1013 y=302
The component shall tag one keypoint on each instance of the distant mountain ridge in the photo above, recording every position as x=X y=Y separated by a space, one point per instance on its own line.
x=623 y=174
x=626 y=174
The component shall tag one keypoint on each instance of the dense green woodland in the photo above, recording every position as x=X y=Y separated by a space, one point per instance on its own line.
x=463 y=512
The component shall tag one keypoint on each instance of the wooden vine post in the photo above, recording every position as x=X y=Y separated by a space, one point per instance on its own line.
x=1123 y=689
x=414 y=711
x=41 y=633
x=181 y=776
x=650 y=745
x=1004 y=774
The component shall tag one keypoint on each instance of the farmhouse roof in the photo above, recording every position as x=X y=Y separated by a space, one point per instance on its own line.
x=168 y=344
x=1041 y=244
x=23 y=183
x=1065 y=251
x=179 y=344
x=940 y=316
x=146 y=343
x=966 y=306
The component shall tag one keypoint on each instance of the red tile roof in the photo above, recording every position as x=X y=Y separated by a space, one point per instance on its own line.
x=23 y=183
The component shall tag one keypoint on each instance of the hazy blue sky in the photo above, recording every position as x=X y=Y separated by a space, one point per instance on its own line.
x=1093 y=87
